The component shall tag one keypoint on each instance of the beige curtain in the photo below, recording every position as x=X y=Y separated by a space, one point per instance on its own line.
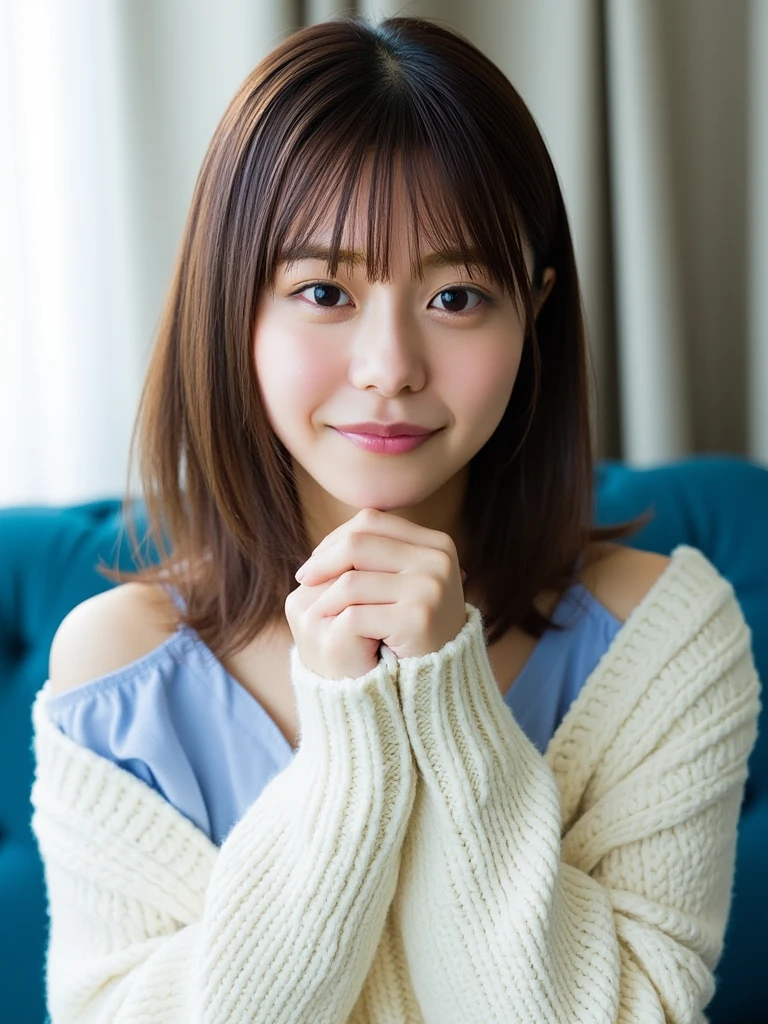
x=656 y=115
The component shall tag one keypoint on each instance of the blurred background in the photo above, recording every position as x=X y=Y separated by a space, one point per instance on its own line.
x=656 y=116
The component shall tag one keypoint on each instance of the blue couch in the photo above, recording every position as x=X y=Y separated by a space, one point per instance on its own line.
x=718 y=504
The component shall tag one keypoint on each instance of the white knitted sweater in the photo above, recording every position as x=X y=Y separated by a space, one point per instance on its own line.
x=419 y=862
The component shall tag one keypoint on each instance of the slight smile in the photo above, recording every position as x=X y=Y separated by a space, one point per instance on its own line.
x=397 y=445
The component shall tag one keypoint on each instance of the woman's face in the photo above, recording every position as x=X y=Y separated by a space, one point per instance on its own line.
x=442 y=353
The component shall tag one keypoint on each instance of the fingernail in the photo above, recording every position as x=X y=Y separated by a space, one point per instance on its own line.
x=463 y=575
x=300 y=574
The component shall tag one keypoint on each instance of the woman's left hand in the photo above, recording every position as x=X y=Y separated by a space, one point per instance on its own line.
x=412 y=573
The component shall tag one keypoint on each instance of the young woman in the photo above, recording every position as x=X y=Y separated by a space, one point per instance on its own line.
x=481 y=763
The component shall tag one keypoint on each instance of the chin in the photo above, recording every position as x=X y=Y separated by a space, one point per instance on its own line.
x=381 y=505
x=372 y=491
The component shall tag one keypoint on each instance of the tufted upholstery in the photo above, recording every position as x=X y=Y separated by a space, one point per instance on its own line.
x=718 y=504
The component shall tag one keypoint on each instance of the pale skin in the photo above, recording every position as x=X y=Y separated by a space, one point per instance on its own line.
x=386 y=527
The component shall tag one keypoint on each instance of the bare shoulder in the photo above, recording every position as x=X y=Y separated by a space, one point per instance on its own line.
x=620 y=577
x=107 y=632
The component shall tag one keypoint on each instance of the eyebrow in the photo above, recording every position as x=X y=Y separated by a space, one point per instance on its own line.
x=296 y=252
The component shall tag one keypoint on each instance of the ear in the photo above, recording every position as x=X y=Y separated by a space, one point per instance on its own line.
x=546 y=288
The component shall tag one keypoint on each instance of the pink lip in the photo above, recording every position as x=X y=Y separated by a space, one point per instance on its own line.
x=386 y=445
x=385 y=429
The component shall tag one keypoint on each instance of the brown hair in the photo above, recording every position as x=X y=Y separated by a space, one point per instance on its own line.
x=216 y=480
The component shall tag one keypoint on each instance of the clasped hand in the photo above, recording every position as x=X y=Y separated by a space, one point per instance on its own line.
x=375 y=579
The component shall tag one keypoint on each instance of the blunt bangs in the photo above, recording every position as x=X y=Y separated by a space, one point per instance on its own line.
x=445 y=217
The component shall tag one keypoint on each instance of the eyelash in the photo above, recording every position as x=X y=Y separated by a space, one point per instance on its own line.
x=486 y=299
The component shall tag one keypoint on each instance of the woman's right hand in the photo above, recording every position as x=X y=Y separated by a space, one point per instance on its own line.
x=324 y=646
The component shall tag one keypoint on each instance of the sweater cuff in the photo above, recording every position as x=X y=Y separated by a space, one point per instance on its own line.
x=462 y=732
x=356 y=708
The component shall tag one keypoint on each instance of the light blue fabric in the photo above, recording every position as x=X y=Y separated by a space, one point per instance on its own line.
x=177 y=720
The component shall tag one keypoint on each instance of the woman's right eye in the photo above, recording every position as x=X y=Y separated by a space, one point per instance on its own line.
x=322 y=292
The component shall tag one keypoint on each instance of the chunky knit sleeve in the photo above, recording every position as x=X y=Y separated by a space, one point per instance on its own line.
x=150 y=923
x=591 y=884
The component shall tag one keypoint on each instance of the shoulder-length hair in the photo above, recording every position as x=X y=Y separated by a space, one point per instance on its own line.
x=216 y=480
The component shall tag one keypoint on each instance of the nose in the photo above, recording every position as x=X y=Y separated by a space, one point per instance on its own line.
x=388 y=350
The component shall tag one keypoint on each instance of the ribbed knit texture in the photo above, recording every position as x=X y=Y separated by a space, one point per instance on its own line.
x=419 y=862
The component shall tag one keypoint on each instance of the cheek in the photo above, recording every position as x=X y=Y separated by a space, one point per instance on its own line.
x=293 y=374
x=483 y=382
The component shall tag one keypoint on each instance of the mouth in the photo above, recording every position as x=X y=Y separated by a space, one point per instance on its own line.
x=397 y=445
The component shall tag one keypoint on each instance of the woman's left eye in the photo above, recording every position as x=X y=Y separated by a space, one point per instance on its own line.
x=455 y=298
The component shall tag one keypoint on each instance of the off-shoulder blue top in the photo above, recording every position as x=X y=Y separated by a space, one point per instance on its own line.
x=180 y=722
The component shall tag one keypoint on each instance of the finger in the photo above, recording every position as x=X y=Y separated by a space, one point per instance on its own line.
x=369 y=621
x=355 y=589
x=357 y=522
x=356 y=551
x=371 y=553
x=385 y=524
x=382 y=622
x=303 y=597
